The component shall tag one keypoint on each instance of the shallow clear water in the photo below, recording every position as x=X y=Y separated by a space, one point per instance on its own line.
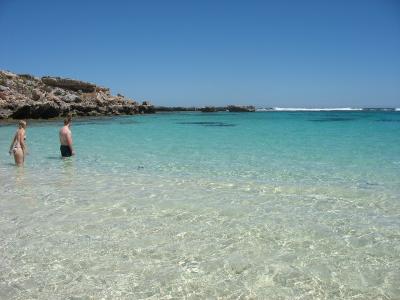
x=266 y=205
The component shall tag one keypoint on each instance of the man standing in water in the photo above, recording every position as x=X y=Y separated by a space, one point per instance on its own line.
x=66 y=138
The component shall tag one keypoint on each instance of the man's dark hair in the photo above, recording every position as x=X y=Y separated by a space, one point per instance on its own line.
x=67 y=120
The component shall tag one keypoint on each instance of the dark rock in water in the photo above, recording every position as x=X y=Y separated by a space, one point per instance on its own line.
x=69 y=84
x=241 y=108
x=208 y=109
x=220 y=125
x=174 y=108
x=147 y=109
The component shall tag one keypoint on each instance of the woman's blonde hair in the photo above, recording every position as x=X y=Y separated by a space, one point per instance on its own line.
x=22 y=124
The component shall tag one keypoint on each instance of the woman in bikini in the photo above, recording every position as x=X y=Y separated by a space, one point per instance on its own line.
x=18 y=147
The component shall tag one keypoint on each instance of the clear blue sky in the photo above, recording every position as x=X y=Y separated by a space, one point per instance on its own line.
x=268 y=53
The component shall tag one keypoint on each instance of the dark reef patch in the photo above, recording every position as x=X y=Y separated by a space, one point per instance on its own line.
x=84 y=123
x=333 y=119
x=208 y=124
x=387 y=120
x=128 y=122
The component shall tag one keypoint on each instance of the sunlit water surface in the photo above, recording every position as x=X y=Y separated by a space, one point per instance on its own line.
x=272 y=205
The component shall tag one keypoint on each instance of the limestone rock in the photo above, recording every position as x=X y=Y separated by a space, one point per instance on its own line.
x=70 y=84
x=103 y=90
x=71 y=98
x=3 y=96
x=9 y=75
x=146 y=109
x=25 y=96
x=5 y=113
x=26 y=76
x=44 y=110
x=36 y=94
x=59 y=92
x=209 y=109
x=241 y=108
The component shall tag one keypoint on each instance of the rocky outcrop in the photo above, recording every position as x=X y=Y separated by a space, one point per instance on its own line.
x=208 y=109
x=25 y=96
x=70 y=84
x=174 y=108
x=241 y=108
x=43 y=110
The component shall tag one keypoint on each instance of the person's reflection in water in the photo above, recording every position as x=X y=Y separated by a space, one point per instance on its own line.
x=19 y=177
x=68 y=171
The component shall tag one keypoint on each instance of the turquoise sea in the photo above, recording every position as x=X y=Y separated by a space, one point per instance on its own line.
x=264 y=205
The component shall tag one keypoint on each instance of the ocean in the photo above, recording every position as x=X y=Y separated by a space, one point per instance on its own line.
x=264 y=205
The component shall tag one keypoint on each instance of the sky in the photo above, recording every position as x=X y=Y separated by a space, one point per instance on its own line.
x=195 y=53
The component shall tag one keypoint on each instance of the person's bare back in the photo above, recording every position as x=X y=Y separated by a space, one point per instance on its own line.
x=65 y=136
x=66 y=139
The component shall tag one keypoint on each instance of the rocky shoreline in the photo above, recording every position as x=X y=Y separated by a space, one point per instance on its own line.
x=207 y=109
x=23 y=96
